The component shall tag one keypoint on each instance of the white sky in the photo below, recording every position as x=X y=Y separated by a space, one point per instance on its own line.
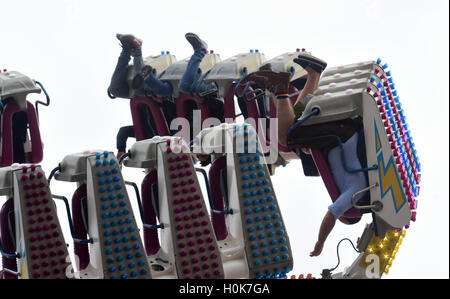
x=70 y=47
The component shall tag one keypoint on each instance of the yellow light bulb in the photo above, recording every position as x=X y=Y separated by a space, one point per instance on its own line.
x=381 y=245
x=370 y=249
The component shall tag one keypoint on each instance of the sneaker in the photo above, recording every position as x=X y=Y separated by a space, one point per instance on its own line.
x=139 y=79
x=266 y=67
x=306 y=59
x=129 y=42
x=277 y=83
x=196 y=42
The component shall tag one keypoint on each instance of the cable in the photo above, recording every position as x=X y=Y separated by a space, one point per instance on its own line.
x=123 y=157
x=337 y=251
x=52 y=173
x=39 y=102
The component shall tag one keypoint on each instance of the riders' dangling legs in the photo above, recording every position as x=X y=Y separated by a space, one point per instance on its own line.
x=161 y=89
x=130 y=45
x=190 y=75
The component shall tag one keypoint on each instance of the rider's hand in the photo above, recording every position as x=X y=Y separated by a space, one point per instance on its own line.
x=120 y=154
x=317 y=249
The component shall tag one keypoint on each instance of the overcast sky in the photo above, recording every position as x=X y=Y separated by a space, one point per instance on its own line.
x=70 y=46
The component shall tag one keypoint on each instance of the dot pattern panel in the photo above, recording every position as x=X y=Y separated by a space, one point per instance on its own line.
x=195 y=246
x=399 y=135
x=266 y=242
x=46 y=253
x=122 y=253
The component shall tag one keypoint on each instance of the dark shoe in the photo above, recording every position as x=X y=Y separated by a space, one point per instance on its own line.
x=206 y=162
x=196 y=42
x=277 y=83
x=266 y=67
x=129 y=42
x=305 y=60
x=139 y=79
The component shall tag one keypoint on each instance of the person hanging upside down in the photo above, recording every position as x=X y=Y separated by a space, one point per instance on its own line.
x=203 y=93
x=287 y=114
x=145 y=81
x=132 y=47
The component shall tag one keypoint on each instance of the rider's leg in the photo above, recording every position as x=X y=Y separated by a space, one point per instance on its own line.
x=285 y=116
x=131 y=46
x=156 y=86
x=191 y=73
x=119 y=86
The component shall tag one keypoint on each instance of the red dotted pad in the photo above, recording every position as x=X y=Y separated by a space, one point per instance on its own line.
x=395 y=151
x=195 y=246
x=46 y=252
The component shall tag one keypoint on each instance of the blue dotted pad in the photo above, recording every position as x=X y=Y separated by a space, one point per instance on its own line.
x=399 y=125
x=123 y=255
x=266 y=242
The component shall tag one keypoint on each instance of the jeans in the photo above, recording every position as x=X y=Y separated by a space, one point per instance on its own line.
x=157 y=87
x=154 y=85
x=119 y=85
x=191 y=75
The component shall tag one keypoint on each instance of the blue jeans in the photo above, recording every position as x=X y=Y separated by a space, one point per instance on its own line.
x=119 y=85
x=157 y=87
x=190 y=76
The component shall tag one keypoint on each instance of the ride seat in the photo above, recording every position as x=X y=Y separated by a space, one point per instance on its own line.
x=321 y=138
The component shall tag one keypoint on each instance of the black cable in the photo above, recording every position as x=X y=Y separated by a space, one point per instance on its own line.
x=39 y=102
x=337 y=250
x=123 y=157
x=52 y=173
